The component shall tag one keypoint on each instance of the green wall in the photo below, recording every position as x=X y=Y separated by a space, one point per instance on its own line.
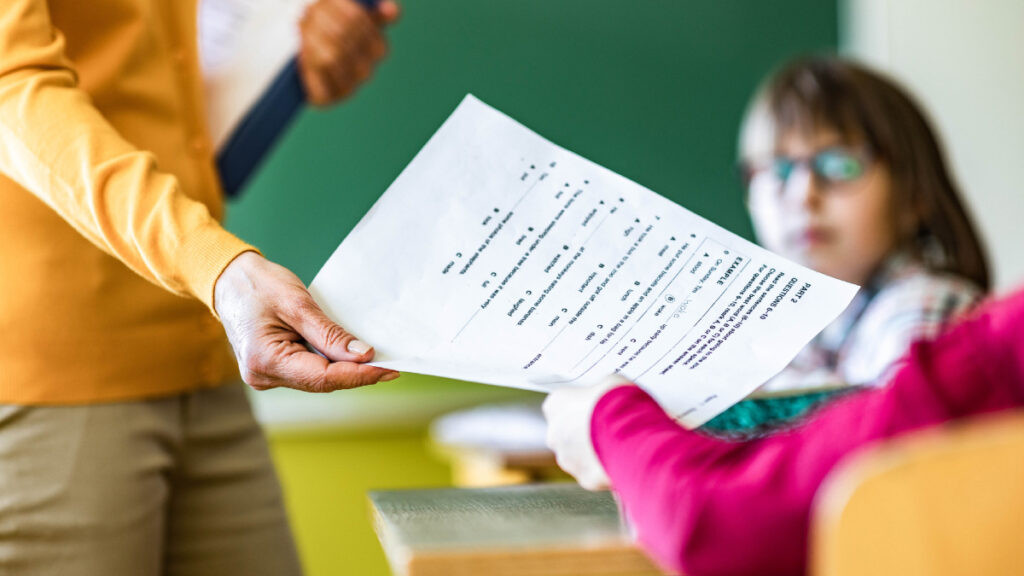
x=325 y=479
x=652 y=89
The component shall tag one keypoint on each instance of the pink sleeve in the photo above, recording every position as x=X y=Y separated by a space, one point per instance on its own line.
x=707 y=506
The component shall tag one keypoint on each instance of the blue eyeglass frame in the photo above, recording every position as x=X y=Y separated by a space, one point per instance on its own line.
x=818 y=163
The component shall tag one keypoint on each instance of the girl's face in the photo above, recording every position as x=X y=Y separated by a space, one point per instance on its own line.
x=825 y=205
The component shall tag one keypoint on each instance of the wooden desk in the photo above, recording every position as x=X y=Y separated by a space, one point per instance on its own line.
x=531 y=530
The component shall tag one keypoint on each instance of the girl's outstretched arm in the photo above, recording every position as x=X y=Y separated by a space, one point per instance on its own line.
x=707 y=506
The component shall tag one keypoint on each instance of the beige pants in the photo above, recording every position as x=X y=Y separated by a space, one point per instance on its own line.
x=179 y=486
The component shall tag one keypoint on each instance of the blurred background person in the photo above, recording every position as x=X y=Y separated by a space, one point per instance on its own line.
x=845 y=175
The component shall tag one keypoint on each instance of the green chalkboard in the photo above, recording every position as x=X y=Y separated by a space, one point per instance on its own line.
x=652 y=89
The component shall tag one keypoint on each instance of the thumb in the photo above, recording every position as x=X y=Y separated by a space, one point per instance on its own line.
x=614 y=381
x=328 y=338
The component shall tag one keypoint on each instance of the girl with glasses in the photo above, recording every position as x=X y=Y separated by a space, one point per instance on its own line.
x=845 y=176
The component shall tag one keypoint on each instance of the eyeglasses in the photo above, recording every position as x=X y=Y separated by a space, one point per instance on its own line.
x=833 y=165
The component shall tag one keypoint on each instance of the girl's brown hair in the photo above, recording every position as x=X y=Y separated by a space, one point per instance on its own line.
x=871 y=110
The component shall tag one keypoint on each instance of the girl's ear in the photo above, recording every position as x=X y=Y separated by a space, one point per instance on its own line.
x=909 y=219
x=911 y=210
x=916 y=236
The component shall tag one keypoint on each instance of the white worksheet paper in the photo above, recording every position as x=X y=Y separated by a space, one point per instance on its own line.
x=499 y=257
x=243 y=45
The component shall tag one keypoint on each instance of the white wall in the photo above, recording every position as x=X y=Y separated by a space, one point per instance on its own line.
x=964 y=60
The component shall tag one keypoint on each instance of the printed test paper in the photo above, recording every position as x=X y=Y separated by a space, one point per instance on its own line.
x=499 y=257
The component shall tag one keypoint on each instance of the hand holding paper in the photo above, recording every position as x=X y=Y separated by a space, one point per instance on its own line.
x=568 y=413
x=269 y=317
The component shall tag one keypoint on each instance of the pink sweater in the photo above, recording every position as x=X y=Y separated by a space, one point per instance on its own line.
x=707 y=506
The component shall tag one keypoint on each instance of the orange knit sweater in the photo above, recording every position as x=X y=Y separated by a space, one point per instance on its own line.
x=109 y=205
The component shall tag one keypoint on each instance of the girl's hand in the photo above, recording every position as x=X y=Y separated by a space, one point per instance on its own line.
x=568 y=412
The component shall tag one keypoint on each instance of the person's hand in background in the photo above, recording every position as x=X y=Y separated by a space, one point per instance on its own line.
x=341 y=43
x=269 y=316
x=568 y=412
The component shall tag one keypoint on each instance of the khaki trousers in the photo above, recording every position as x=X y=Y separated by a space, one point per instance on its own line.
x=179 y=486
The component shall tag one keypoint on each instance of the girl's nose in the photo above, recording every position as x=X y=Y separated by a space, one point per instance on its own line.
x=802 y=188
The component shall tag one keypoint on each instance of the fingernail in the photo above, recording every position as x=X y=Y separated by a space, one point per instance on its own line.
x=358 y=347
x=390 y=376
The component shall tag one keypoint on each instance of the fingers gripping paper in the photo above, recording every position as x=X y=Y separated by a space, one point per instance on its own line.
x=499 y=257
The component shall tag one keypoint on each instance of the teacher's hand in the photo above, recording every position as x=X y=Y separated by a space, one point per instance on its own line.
x=340 y=43
x=269 y=316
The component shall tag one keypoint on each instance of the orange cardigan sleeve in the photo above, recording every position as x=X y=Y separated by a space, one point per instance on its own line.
x=57 y=145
